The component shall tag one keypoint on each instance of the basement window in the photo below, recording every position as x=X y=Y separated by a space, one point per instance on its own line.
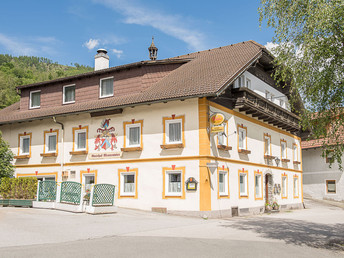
x=331 y=186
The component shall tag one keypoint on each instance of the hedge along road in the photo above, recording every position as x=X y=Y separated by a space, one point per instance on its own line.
x=313 y=232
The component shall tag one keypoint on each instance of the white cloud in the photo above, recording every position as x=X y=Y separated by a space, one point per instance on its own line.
x=172 y=25
x=271 y=47
x=117 y=52
x=91 y=43
x=16 y=46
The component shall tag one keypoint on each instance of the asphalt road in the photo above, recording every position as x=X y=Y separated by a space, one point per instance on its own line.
x=317 y=231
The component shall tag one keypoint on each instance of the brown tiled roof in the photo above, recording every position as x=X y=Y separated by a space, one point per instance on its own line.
x=203 y=73
x=311 y=144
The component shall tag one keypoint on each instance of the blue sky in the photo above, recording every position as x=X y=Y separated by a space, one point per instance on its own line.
x=70 y=31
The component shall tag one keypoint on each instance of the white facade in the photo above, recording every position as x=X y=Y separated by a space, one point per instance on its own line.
x=317 y=175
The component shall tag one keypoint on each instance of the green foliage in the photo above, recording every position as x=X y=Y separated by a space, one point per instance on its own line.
x=18 y=188
x=6 y=156
x=309 y=35
x=16 y=71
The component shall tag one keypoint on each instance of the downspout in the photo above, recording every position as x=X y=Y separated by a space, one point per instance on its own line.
x=62 y=143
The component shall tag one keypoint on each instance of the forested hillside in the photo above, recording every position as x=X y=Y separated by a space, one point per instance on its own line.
x=15 y=71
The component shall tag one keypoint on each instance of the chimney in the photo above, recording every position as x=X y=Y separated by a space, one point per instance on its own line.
x=101 y=60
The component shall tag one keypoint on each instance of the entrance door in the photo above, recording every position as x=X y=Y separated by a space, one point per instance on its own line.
x=89 y=181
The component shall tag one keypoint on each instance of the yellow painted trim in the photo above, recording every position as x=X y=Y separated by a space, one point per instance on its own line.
x=201 y=158
x=20 y=135
x=120 y=171
x=204 y=150
x=298 y=188
x=252 y=120
x=95 y=172
x=227 y=196
x=247 y=188
x=286 y=149
x=261 y=185
x=297 y=152
x=80 y=128
x=57 y=140
x=38 y=174
x=125 y=132
x=268 y=136
x=286 y=176
x=164 y=170
x=245 y=128
x=164 y=119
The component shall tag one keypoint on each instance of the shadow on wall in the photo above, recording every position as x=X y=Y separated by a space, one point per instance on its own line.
x=296 y=232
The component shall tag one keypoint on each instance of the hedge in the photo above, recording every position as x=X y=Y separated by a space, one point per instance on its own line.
x=18 y=188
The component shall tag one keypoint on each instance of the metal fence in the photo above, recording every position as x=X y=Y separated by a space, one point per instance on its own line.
x=47 y=191
x=70 y=192
x=103 y=195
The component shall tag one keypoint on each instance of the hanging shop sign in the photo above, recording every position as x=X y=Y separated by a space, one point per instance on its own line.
x=191 y=184
x=217 y=119
x=217 y=129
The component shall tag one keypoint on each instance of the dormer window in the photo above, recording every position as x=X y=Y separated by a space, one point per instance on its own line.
x=35 y=99
x=68 y=94
x=106 y=87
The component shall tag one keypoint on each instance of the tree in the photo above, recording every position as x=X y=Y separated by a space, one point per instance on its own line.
x=6 y=156
x=309 y=38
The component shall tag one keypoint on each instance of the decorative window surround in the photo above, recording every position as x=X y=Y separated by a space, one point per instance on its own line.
x=296 y=154
x=284 y=148
x=166 y=171
x=243 y=184
x=225 y=184
x=242 y=139
x=126 y=127
x=122 y=173
x=46 y=152
x=258 y=180
x=167 y=142
x=284 y=184
x=296 y=186
x=267 y=147
x=81 y=151
x=22 y=139
x=84 y=173
x=222 y=140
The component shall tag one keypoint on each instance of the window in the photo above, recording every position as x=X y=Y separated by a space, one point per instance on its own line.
x=295 y=154
x=284 y=186
x=88 y=178
x=174 y=182
x=223 y=183
x=35 y=99
x=173 y=131
x=133 y=134
x=267 y=144
x=241 y=81
x=50 y=141
x=248 y=83
x=281 y=102
x=222 y=138
x=106 y=87
x=128 y=182
x=296 y=186
x=258 y=185
x=283 y=149
x=80 y=140
x=25 y=141
x=89 y=182
x=242 y=131
x=243 y=184
x=331 y=186
x=72 y=174
x=68 y=94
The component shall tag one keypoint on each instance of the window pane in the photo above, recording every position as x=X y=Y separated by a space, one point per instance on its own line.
x=35 y=99
x=52 y=143
x=81 y=144
x=134 y=136
x=222 y=186
x=89 y=180
x=26 y=145
x=242 y=135
x=174 y=185
x=69 y=94
x=257 y=185
x=331 y=186
x=242 y=184
x=107 y=87
x=175 y=132
x=296 y=186
x=283 y=150
x=129 y=183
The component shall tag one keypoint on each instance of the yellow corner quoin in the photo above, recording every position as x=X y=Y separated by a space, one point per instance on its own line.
x=123 y=171
x=95 y=172
x=204 y=149
x=252 y=120
x=164 y=170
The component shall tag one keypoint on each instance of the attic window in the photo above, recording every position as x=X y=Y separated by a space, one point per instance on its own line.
x=106 y=87
x=69 y=94
x=35 y=99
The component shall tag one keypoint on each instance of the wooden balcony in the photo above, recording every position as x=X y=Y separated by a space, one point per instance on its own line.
x=252 y=103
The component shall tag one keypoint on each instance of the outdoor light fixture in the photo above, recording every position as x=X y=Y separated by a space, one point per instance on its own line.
x=277 y=160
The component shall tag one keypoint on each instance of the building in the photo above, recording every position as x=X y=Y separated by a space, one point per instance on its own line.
x=320 y=180
x=145 y=127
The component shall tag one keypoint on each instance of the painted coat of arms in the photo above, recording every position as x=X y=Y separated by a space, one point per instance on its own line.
x=106 y=137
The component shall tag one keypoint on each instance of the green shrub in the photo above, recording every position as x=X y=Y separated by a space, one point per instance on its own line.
x=18 y=188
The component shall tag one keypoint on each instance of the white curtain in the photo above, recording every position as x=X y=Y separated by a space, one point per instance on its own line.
x=129 y=187
x=174 y=185
x=257 y=186
x=52 y=143
x=36 y=99
x=82 y=140
x=242 y=184
x=134 y=136
x=26 y=145
x=107 y=87
x=241 y=138
x=284 y=185
x=175 y=132
x=70 y=94
x=283 y=150
x=222 y=187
